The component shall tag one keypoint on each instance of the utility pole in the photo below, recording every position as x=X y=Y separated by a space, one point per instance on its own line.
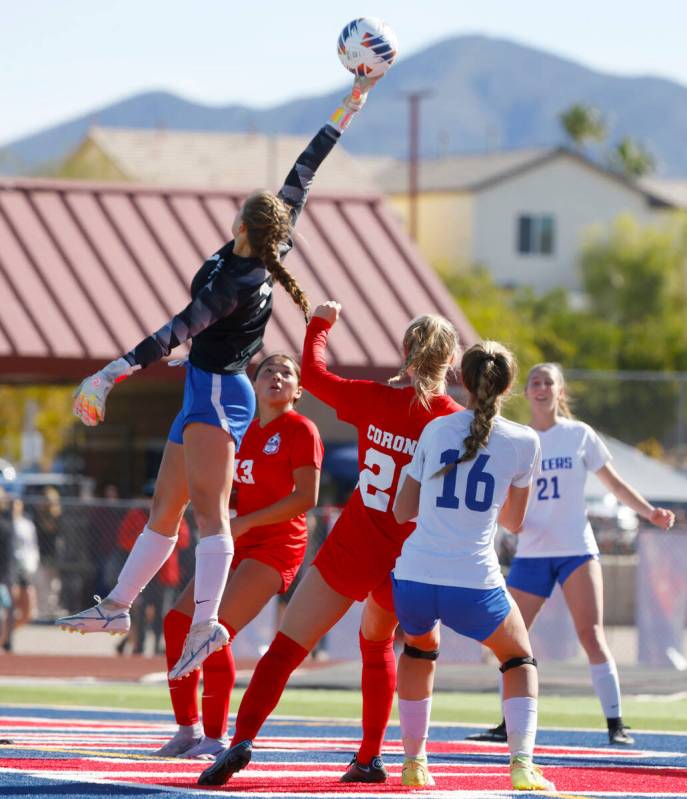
x=414 y=99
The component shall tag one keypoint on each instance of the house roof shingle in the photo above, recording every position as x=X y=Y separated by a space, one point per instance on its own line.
x=238 y=161
x=474 y=172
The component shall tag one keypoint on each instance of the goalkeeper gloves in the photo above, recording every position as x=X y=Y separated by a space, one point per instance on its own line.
x=90 y=396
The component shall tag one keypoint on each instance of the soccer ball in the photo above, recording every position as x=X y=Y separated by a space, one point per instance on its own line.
x=367 y=47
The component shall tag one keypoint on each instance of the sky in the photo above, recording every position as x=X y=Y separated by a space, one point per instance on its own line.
x=62 y=58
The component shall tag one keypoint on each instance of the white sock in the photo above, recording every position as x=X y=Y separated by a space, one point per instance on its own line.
x=213 y=559
x=148 y=554
x=414 y=717
x=607 y=687
x=520 y=713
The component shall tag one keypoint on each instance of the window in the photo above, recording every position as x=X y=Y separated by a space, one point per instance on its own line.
x=535 y=234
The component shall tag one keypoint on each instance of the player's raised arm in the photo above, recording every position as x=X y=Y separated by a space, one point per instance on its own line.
x=295 y=190
x=215 y=300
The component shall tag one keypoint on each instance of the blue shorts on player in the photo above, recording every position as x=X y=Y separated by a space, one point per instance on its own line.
x=538 y=576
x=226 y=401
x=474 y=612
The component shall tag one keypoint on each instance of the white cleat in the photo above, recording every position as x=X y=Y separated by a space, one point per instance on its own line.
x=202 y=640
x=183 y=740
x=206 y=748
x=105 y=617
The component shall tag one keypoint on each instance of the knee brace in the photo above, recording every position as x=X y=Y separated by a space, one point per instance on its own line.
x=420 y=654
x=513 y=663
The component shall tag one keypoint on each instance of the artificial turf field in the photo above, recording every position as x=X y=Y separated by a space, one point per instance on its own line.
x=104 y=747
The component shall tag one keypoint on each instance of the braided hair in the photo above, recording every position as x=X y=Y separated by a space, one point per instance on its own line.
x=488 y=370
x=556 y=370
x=429 y=344
x=268 y=226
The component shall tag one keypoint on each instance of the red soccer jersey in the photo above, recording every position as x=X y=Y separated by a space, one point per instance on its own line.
x=263 y=474
x=389 y=422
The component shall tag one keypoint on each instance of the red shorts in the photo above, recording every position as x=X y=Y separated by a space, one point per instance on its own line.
x=286 y=559
x=356 y=558
x=383 y=594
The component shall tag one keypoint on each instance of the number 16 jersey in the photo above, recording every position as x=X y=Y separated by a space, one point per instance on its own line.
x=362 y=547
x=453 y=543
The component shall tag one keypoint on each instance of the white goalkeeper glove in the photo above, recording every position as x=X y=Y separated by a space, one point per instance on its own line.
x=90 y=396
x=352 y=103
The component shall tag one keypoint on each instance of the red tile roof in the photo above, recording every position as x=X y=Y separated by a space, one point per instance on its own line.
x=89 y=269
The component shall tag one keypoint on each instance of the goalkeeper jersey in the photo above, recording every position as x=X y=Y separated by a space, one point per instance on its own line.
x=231 y=296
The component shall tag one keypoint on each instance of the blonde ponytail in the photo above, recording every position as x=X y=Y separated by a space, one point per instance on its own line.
x=430 y=343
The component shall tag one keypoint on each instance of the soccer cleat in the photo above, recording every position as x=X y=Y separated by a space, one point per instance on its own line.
x=525 y=776
x=415 y=773
x=374 y=771
x=229 y=762
x=202 y=640
x=104 y=617
x=183 y=740
x=494 y=734
x=618 y=733
x=206 y=748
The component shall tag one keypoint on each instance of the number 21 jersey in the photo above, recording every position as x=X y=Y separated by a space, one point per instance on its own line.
x=556 y=524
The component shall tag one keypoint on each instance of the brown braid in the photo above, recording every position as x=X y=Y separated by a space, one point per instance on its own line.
x=488 y=370
x=429 y=343
x=556 y=371
x=268 y=226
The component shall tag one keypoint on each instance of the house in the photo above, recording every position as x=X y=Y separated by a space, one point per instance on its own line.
x=238 y=161
x=88 y=269
x=523 y=214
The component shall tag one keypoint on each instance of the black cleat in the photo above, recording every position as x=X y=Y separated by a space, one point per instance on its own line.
x=374 y=771
x=495 y=735
x=617 y=733
x=227 y=763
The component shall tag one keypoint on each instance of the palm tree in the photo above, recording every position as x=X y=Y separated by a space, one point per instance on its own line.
x=632 y=158
x=582 y=123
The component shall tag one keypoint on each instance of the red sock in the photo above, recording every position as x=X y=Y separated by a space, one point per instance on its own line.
x=219 y=675
x=183 y=693
x=267 y=685
x=378 y=684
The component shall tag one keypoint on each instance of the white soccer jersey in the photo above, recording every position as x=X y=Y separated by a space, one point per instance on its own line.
x=556 y=524
x=453 y=542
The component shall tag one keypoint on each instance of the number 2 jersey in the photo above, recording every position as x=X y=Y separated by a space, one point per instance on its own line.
x=556 y=524
x=363 y=545
x=453 y=542
x=263 y=474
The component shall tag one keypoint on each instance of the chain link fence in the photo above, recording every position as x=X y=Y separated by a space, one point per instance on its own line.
x=58 y=552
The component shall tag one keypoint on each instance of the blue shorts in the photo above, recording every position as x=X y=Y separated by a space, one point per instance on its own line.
x=538 y=576
x=475 y=612
x=226 y=401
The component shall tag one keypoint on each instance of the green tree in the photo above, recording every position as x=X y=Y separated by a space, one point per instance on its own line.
x=636 y=274
x=54 y=420
x=632 y=159
x=583 y=123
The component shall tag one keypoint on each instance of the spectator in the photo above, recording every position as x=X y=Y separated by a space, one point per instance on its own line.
x=47 y=516
x=7 y=567
x=27 y=557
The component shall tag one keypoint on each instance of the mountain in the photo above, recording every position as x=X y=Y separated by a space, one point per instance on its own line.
x=486 y=94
